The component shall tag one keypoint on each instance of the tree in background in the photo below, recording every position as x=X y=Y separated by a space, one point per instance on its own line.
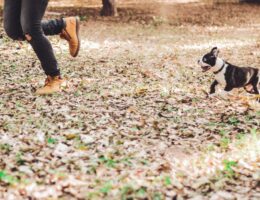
x=109 y=8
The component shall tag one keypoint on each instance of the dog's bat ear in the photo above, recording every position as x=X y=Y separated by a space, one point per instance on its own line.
x=215 y=51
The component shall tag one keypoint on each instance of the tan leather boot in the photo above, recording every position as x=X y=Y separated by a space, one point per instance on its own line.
x=71 y=34
x=52 y=85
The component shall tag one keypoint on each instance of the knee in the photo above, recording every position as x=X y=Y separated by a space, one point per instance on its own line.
x=31 y=31
x=12 y=32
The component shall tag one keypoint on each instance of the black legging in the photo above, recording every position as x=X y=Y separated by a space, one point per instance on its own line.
x=24 y=18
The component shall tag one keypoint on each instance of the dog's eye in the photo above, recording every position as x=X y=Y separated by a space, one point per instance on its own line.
x=204 y=59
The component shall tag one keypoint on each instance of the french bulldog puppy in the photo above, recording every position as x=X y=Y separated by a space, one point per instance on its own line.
x=228 y=75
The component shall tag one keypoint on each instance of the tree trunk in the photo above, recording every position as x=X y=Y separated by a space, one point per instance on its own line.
x=109 y=8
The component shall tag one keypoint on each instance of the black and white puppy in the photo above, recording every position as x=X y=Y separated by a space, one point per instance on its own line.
x=228 y=75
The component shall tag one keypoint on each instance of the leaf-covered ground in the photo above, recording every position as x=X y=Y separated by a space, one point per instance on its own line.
x=135 y=121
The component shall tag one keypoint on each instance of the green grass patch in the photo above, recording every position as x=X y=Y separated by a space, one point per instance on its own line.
x=51 y=140
x=6 y=178
x=106 y=188
x=110 y=163
x=233 y=121
x=224 y=142
x=228 y=168
x=167 y=181
x=6 y=148
x=19 y=159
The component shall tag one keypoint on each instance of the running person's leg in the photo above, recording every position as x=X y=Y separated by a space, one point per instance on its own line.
x=53 y=26
x=68 y=29
x=12 y=25
x=12 y=21
x=31 y=22
x=22 y=20
x=31 y=17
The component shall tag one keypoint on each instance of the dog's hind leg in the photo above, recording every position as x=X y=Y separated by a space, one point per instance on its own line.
x=256 y=91
x=249 y=89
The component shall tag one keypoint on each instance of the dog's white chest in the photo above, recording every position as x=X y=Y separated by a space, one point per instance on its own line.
x=220 y=77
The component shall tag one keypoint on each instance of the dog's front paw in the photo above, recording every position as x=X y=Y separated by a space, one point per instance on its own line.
x=225 y=95
x=211 y=96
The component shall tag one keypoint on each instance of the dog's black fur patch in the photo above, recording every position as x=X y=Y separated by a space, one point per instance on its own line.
x=237 y=77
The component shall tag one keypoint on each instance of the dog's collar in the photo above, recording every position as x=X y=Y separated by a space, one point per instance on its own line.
x=220 y=68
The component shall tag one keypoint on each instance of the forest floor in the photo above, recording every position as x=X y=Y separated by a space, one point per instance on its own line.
x=135 y=121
